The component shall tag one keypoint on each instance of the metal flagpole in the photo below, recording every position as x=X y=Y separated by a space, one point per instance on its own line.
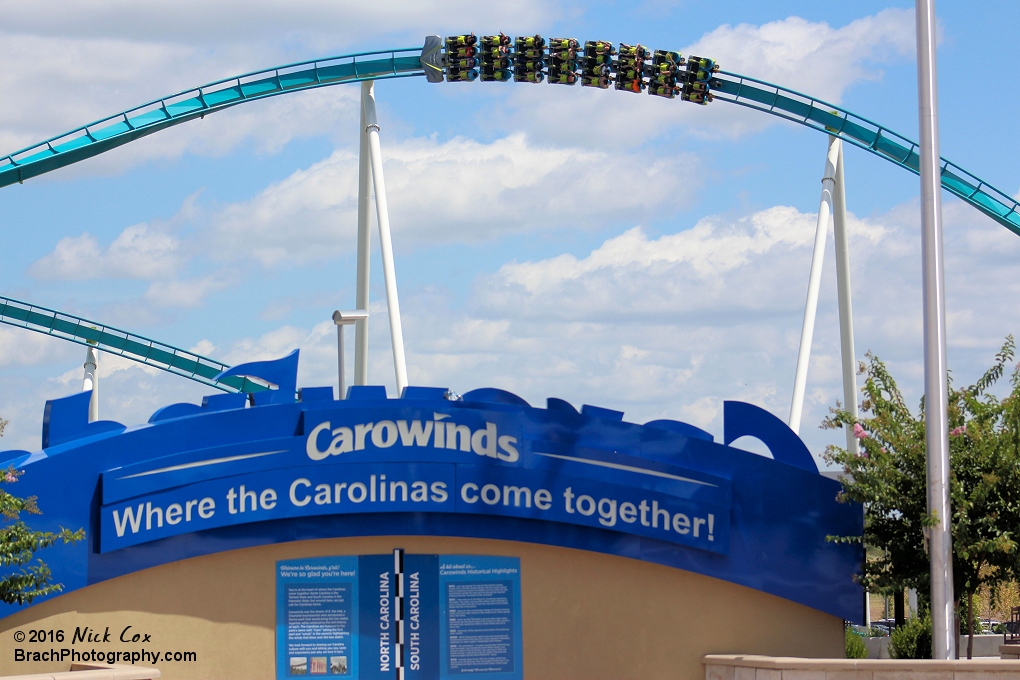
x=814 y=283
x=846 y=314
x=385 y=242
x=364 y=245
x=936 y=390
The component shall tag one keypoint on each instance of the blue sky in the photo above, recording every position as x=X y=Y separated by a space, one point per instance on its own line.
x=606 y=248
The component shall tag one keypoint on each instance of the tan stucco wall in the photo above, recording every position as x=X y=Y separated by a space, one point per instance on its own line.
x=586 y=615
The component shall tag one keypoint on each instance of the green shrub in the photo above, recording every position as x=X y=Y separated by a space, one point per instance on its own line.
x=912 y=640
x=855 y=648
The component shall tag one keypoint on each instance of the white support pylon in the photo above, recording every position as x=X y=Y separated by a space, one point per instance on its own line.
x=814 y=283
x=364 y=245
x=846 y=315
x=936 y=379
x=91 y=382
x=385 y=241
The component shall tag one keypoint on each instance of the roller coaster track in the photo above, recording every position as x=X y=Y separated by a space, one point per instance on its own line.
x=114 y=131
x=115 y=341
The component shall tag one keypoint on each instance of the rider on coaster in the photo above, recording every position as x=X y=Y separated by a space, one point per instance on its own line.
x=535 y=41
x=661 y=90
x=562 y=77
x=598 y=47
x=629 y=85
x=528 y=76
x=455 y=40
x=560 y=44
x=460 y=75
x=531 y=53
x=664 y=57
x=702 y=98
x=460 y=52
x=639 y=51
x=492 y=75
x=501 y=40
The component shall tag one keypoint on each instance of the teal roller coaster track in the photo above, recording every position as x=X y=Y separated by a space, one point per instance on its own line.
x=114 y=131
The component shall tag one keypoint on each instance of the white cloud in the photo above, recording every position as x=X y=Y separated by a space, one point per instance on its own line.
x=186 y=292
x=320 y=22
x=688 y=273
x=139 y=252
x=809 y=56
x=21 y=347
x=447 y=191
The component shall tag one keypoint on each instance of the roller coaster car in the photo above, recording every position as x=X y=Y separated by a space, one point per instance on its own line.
x=432 y=59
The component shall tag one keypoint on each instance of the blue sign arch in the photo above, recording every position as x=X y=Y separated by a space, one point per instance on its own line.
x=246 y=470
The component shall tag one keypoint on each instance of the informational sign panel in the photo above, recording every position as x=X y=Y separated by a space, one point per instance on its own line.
x=317 y=616
x=341 y=616
x=480 y=617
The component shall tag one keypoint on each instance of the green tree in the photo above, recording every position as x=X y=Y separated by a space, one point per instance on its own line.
x=888 y=477
x=19 y=543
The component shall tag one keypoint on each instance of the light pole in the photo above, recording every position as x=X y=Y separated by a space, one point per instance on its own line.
x=342 y=319
x=936 y=390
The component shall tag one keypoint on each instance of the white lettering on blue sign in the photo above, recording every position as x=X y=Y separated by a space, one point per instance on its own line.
x=416 y=433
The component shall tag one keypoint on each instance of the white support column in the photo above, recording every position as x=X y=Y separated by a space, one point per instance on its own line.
x=846 y=315
x=91 y=382
x=936 y=386
x=385 y=242
x=364 y=244
x=814 y=283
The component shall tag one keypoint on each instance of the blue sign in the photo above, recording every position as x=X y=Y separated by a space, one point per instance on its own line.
x=341 y=616
x=238 y=474
x=316 y=617
x=422 y=616
x=480 y=604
